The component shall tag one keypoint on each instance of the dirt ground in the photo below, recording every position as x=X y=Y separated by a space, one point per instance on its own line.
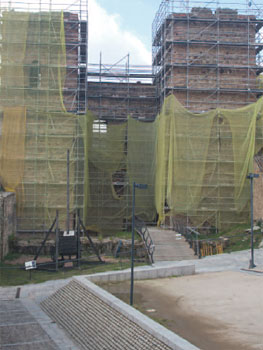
x=215 y=311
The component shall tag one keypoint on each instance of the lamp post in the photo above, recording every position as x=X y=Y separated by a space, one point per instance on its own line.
x=251 y=177
x=142 y=187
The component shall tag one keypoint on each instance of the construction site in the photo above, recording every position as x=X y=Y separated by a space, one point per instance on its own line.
x=155 y=171
x=178 y=126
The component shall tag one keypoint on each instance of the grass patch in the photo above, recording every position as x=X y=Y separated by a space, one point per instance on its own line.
x=11 y=275
x=12 y=256
x=126 y=235
x=239 y=239
x=243 y=243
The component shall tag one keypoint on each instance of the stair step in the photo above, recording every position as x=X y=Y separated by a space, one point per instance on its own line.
x=169 y=246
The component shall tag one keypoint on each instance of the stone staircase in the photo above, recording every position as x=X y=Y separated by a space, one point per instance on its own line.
x=170 y=246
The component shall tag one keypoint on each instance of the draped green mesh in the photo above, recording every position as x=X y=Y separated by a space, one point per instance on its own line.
x=195 y=165
x=202 y=161
x=33 y=63
x=141 y=165
x=118 y=155
x=242 y=124
x=106 y=156
x=182 y=147
x=34 y=160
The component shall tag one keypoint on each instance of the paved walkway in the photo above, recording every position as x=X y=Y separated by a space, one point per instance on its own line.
x=223 y=262
x=25 y=326
x=19 y=330
x=170 y=246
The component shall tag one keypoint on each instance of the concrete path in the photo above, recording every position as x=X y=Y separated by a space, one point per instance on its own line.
x=25 y=326
x=20 y=330
x=170 y=246
x=235 y=261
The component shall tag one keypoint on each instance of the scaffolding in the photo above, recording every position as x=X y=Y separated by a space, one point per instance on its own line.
x=43 y=91
x=193 y=163
x=190 y=165
x=208 y=55
x=120 y=89
x=119 y=95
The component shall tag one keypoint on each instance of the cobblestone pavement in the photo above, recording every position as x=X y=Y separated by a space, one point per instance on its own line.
x=94 y=324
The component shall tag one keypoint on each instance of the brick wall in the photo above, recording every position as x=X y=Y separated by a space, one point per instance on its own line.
x=208 y=51
x=118 y=100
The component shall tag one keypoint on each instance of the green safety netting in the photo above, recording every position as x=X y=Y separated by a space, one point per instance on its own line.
x=141 y=165
x=195 y=165
x=203 y=160
x=36 y=129
x=106 y=156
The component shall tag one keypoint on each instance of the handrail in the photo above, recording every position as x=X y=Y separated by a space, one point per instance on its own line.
x=192 y=236
x=196 y=246
x=143 y=232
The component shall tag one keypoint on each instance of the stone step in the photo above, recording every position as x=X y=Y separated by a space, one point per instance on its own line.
x=169 y=246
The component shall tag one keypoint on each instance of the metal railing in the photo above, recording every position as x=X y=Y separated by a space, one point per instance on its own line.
x=193 y=241
x=143 y=232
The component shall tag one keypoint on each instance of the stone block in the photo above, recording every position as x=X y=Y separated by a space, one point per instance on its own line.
x=7 y=221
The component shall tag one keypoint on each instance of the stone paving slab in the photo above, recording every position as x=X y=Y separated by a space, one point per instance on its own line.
x=29 y=346
x=24 y=326
x=10 y=318
x=11 y=306
x=19 y=330
x=8 y=293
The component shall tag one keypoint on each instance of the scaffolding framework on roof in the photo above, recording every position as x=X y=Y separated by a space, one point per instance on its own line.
x=119 y=90
x=208 y=55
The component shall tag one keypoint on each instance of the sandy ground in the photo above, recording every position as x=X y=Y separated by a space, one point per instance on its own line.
x=214 y=311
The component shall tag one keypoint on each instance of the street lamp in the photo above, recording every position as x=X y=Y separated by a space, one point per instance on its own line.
x=251 y=177
x=142 y=187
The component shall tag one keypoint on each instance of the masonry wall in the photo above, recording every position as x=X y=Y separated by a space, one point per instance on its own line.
x=115 y=101
x=208 y=59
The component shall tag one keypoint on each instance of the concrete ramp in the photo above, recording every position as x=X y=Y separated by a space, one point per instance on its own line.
x=93 y=324
x=170 y=246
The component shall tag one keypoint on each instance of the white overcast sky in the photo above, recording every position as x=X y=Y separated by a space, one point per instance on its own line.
x=108 y=35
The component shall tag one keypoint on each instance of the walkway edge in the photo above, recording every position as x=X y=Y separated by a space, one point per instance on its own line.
x=169 y=338
x=144 y=272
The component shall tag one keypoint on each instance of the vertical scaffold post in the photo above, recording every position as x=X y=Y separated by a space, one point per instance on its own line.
x=132 y=246
x=57 y=238
x=251 y=177
x=68 y=191
x=78 y=237
x=143 y=187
